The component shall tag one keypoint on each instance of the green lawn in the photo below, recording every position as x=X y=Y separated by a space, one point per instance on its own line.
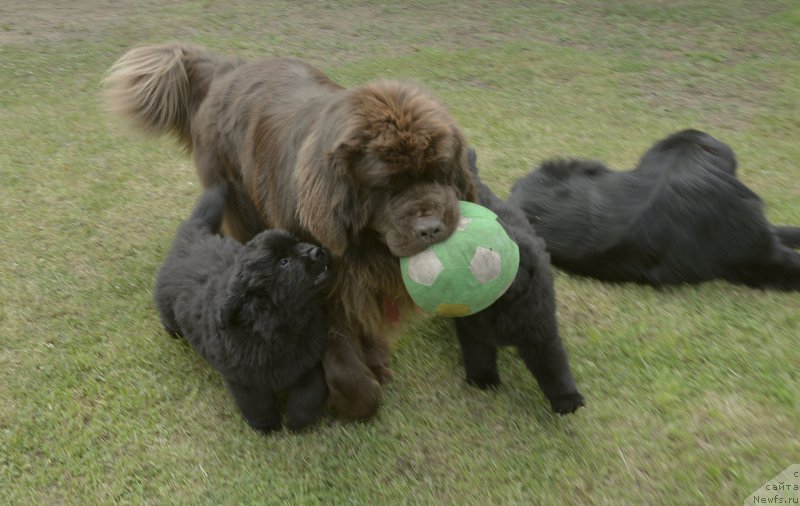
x=693 y=393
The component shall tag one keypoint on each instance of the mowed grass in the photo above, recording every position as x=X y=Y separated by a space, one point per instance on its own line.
x=693 y=392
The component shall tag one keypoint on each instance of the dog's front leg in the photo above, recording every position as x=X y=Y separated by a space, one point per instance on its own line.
x=355 y=393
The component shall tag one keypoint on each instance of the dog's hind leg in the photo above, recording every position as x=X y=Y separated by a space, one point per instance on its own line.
x=789 y=236
x=779 y=271
x=257 y=405
x=541 y=349
x=305 y=400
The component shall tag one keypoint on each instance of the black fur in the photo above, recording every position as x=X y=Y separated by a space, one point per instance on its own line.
x=680 y=217
x=523 y=317
x=252 y=311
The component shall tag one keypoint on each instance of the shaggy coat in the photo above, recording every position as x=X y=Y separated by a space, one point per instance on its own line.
x=523 y=317
x=681 y=216
x=373 y=173
x=253 y=311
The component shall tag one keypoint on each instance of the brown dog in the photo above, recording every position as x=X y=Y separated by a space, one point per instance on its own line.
x=372 y=173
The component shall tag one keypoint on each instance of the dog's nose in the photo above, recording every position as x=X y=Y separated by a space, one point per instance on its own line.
x=315 y=253
x=428 y=227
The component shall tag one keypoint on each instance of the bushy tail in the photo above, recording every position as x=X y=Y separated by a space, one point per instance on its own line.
x=210 y=208
x=160 y=86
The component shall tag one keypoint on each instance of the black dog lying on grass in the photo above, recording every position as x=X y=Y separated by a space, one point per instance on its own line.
x=523 y=317
x=680 y=217
x=252 y=311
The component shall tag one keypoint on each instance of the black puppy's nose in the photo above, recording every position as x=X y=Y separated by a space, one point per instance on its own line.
x=428 y=227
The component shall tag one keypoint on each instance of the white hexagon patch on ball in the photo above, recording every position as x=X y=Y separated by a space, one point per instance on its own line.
x=425 y=267
x=485 y=264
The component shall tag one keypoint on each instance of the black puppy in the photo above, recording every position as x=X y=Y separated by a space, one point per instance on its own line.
x=523 y=317
x=252 y=311
x=680 y=217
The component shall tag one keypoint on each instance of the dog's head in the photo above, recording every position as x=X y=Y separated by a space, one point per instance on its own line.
x=275 y=271
x=387 y=161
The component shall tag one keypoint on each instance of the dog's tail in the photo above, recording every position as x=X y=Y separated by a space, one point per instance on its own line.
x=210 y=208
x=160 y=86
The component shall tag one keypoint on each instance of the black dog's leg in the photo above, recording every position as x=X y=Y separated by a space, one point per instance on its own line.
x=780 y=271
x=480 y=359
x=258 y=406
x=543 y=353
x=787 y=268
x=789 y=236
x=306 y=399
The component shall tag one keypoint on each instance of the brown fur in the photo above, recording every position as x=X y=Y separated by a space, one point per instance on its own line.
x=362 y=171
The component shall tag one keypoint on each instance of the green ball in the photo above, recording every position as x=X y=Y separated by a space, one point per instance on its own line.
x=467 y=272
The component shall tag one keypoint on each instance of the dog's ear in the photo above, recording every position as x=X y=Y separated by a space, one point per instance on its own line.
x=464 y=162
x=472 y=160
x=328 y=201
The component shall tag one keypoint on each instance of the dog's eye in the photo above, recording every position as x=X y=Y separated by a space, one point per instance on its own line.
x=284 y=262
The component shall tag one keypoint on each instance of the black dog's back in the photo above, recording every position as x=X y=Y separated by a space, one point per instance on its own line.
x=523 y=317
x=680 y=217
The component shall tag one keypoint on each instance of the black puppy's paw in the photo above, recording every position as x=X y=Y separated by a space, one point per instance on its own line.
x=484 y=381
x=567 y=404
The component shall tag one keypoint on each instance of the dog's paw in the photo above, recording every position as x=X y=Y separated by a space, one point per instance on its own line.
x=355 y=401
x=567 y=404
x=484 y=381
x=383 y=374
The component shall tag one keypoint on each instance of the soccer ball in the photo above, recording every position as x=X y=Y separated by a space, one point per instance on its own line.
x=467 y=272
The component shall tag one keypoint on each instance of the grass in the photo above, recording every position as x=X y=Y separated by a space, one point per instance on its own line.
x=692 y=392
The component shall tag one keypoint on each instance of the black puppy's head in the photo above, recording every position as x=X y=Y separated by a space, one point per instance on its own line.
x=276 y=272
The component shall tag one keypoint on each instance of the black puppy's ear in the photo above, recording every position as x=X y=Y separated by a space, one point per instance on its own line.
x=465 y=171
x=472 y=159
